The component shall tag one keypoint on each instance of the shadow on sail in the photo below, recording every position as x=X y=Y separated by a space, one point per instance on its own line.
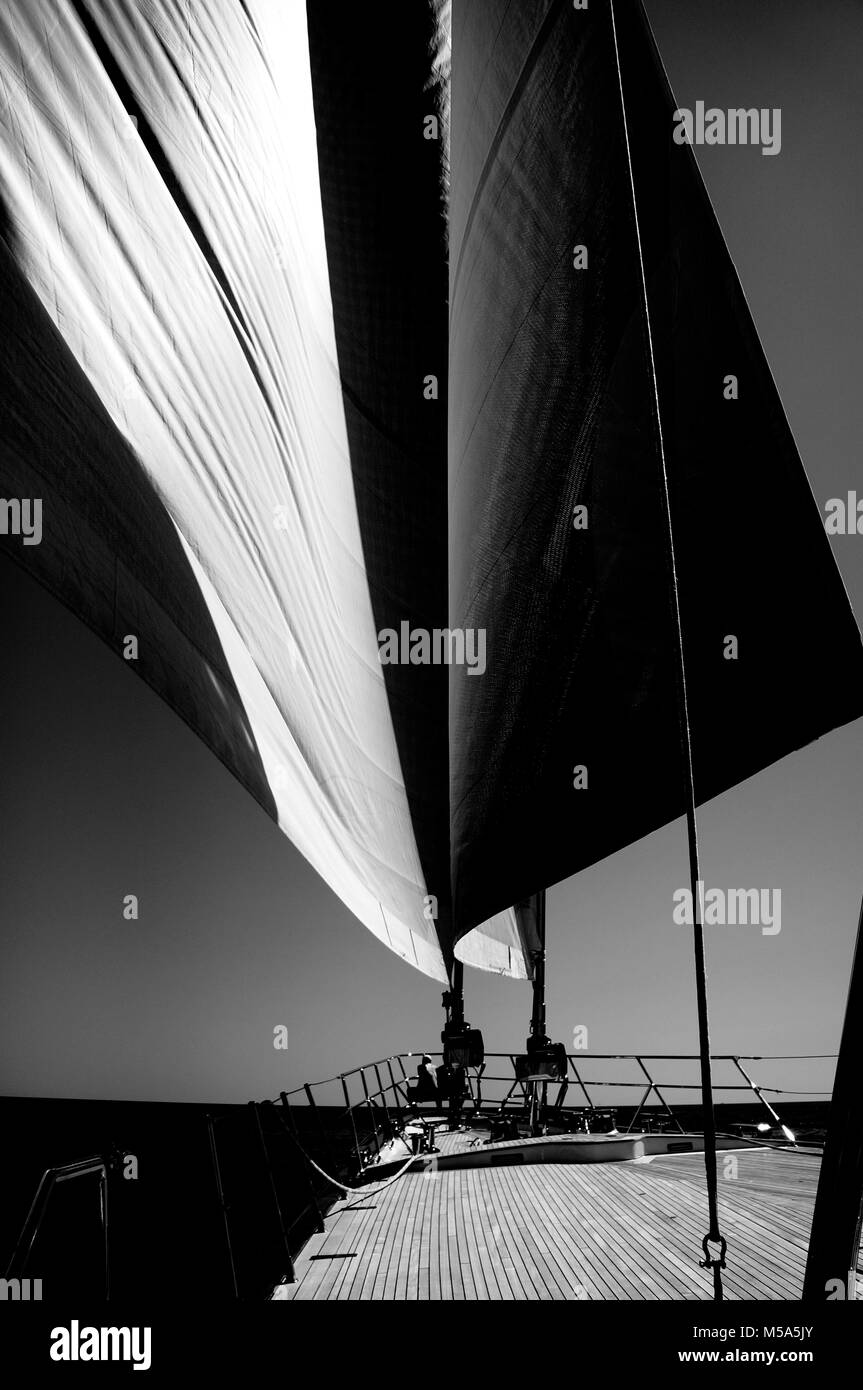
x=111 y=552
x=568 y=748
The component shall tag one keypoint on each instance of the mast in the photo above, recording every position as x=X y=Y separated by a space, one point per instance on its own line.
x=538 y=1039
x=835 y=1237
x=456 y=998
x=537 y=1022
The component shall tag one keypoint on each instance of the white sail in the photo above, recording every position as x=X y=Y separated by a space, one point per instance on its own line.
x=198 y=308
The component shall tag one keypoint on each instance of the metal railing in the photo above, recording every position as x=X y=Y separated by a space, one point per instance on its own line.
x=378 y=1114
x=101 y=1164
x=477 y=1077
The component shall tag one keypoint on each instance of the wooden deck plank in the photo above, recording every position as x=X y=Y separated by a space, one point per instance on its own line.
x=339 y=1252
x=678 y=1228
x=751 y=1233
x=622 y=1237
x=750 y=1199
x=311 y=1272
x=397 y=1277
x=387 y=1244
x=472 y=1272
x=560 y=1283
x=590 y=1243
x=448 y=1182
x=508 y=1219
x=481 y=1215
x=418 y=1263
x=438 y=1251
x=503 y=1252
x=613 y=1231
x=684 y=1214
x=681 y=1215
x=362 y=1231
x=531 y=1254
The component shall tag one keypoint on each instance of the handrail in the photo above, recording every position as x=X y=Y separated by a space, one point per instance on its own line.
x=102 y=1164
x=646 y=1083
x=393 y=1057
x=369 y=1099
x=572 y=1058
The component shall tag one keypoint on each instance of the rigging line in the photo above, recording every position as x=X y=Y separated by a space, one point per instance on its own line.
x=343 y=1187
x=685 y=747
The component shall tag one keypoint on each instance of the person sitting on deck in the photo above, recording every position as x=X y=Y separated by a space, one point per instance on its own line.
x=426 y=1088
x=452 y=1086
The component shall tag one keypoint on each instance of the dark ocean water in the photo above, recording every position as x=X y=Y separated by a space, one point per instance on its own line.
x=167 y=1234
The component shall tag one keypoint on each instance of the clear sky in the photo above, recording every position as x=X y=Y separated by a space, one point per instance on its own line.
x=106 y=793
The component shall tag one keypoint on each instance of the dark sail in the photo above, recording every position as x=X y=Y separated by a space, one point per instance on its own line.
x=551 y=409
x=384 y=222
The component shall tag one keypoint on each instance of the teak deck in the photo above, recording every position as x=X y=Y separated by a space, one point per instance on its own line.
x=628 y=1230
